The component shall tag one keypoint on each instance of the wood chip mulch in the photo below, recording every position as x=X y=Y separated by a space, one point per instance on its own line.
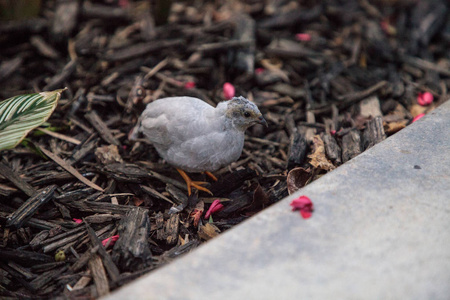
x=83 y=210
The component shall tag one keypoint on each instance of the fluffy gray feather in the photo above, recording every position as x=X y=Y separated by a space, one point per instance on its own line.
x=194 y=136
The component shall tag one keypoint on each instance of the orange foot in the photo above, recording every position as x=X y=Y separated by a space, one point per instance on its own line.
x=211 y=175
x=196 y=184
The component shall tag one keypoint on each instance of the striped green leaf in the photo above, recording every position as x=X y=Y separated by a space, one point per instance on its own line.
x=21 y=114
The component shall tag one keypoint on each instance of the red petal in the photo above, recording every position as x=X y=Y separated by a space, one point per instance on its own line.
x=216 y=206
x=123 y=3
x=306 y=214
x=304 y=37
x=228 y=90
x=417 y=117
x=196 y=214
x=189 y=85
x=300 y=202
x=303 y=204
x=78 y=221
x=259 y=70
x=113 y=239
x=425 y=99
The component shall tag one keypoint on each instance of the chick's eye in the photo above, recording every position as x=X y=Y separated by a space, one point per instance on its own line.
x=247 y=114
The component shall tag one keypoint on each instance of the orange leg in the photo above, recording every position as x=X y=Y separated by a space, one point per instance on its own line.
x=190 y=183
x=211 y=175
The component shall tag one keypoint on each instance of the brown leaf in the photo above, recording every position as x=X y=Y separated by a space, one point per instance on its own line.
x=318 y=157
x=416 y=109
x=393 y=127
x=400 y=111
x=108 y=154
x=208 y=231
x=260 y=198
x=259 y=201
x=297 y=178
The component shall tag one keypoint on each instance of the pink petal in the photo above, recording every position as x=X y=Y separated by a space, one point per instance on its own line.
x=123 y=3
x=216 y=206
x=189 y=85
x=304 y=37
x=196 y=215
x=78 y=221
x=303 y=204
x=259 y=70
x=113 y=239
x=228 y=90
x=425 y=99
x=385 y=26
x=417 y=117
x=300 y=202
x=306 y=214
x=333 y=132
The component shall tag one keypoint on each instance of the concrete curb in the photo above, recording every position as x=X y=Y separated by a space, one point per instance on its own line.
x=380 y=230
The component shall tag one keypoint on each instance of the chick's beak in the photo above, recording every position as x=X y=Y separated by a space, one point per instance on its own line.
x=262 y=121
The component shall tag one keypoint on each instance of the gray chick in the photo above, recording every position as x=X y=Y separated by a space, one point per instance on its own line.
x=193 y=136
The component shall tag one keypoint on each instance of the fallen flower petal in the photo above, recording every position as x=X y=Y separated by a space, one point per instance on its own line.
x=113 y=239
x=78 y=221
x=388 y=28
x=196 y=215
x=417 y=117
x=189 y=85
x=425 y=99
x=216 y=206
x=303 y=204
x=228 y=90
x=123 y=3
x=304 y=37
x=319 y=158
x=259 y=70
